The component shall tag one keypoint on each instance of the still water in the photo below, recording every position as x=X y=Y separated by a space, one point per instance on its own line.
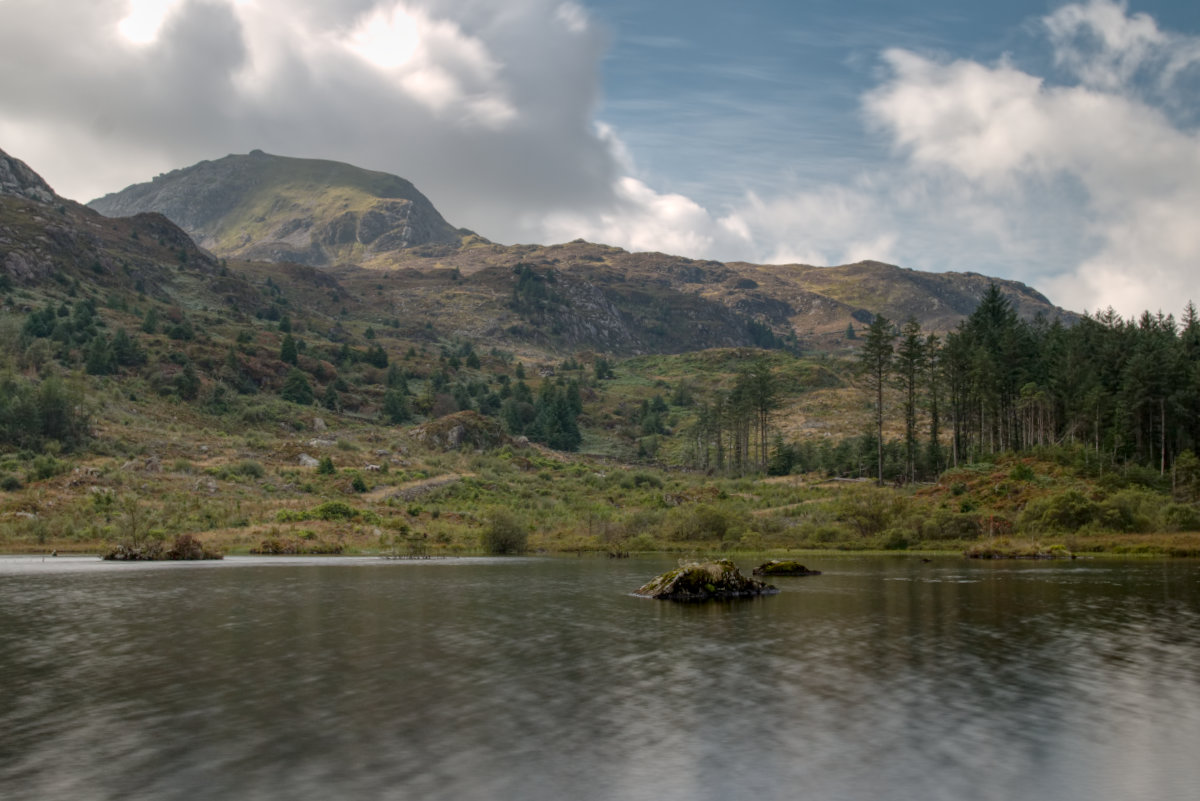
x=531 y=679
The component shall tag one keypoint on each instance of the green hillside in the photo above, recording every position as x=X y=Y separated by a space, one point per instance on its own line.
x=577 y=395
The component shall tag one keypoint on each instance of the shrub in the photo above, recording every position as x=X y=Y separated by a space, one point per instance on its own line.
x=947 y=525
x=325 y=466
x=248 y=468
x=701 y=522
x=1130 y=510
x=1181 y=517
x=335 y=510
x=1021 y=472
x=1068 y=511
x=358 y=485
x=504 y=533
x=296 y=388
x=45 y=466
x=871 y=511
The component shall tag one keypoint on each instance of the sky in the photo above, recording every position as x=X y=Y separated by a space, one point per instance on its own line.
x=1052 y=143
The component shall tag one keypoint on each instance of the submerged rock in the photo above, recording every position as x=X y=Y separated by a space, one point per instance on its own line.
x=703 y=581
x=781 y=567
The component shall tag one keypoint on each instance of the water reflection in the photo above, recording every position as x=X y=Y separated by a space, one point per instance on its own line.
x=543 y=679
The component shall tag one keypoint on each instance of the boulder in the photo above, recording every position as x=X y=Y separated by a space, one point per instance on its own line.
x=308 y=461
x=703 y=581
x=778 y=567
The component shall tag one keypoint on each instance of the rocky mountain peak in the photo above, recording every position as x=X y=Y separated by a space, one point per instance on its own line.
x=17 y=179
x=276 y=208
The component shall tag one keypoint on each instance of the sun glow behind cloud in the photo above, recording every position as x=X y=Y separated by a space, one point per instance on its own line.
x=145 y=19
x=387 y=38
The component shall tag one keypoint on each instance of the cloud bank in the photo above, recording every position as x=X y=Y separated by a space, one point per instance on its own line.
x=1084 y=182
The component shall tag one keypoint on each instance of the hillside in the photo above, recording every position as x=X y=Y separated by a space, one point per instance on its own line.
x=322 y=213
x=606 y=400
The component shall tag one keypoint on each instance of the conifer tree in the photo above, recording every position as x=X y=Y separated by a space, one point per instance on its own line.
x=875 y=362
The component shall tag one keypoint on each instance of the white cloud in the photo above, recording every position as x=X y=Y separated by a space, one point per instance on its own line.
x=1086 y=188
x=1006 y=133
x=486 y=107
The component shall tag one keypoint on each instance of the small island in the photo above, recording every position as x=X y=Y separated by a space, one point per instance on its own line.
x=780 y=567
x=704 y=581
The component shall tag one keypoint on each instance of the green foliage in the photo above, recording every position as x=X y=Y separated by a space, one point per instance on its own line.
x=187 y=382
x=1181 y=517
x=700 y=523
x=150 y=321
x=357 y=484
x=395 y=407
x=1066 y=511
x=248 y=468
x=33 y=414
x=296 y=388
x=325 y=466
x=288 y=352
x=869 y=512
x=1021 y=472
x=504 y=533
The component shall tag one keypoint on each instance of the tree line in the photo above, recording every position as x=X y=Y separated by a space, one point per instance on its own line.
x=1127 y=389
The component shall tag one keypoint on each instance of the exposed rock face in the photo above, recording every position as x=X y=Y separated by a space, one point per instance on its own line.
x=18 y=180
x=704 y=581
x=273 y=208
x=778 y=567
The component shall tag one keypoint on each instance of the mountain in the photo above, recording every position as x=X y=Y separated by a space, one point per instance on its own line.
x=591 y=296
x=47 y=239
x=274 y=208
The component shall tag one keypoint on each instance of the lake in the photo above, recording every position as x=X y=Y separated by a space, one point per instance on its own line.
x=542 y=678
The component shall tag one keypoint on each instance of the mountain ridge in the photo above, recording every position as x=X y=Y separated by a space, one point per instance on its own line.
x=328 y=214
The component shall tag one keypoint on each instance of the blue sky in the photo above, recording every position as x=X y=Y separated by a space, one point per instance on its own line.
x=721 y=100
x=1054 y=143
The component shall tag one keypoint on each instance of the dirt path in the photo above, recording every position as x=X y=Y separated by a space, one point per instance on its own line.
x=411 y=490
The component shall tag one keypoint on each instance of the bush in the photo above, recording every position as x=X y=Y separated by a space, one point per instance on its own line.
x=334 y=510
x=1130 y=510
x=871 y=511
x=504 y=534
x=325 y=466
x=946 y=525
x=699 y=523
x=248 y=468
x=1067 y=511
x=1179 y=517
x=296 y=388
x=1021 y=472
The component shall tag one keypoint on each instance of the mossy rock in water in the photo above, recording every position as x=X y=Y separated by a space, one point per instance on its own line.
x=780 y=567
x=703 y=581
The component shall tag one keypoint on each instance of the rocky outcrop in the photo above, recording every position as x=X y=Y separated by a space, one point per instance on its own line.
x=461 y=430
x=704 y=581
x=18 y=180
x=777 y=567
